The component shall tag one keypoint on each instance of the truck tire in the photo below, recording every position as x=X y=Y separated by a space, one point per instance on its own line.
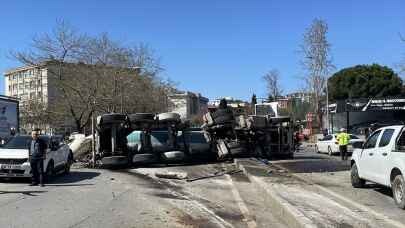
x=222 y=112
x=168 y=117
x=357 y=182
x=208 y=119
x=256 y=122
x=115 y=161
x=222 y=150
x=112 y=118
x=173 y=156
x=144 y=158
x=223 y=119
x=141 y=117
x=398 y=191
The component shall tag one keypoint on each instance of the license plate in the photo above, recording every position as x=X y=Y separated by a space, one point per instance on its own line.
x=10 y=166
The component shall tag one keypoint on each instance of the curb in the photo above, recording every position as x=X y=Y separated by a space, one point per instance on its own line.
x=281 y=208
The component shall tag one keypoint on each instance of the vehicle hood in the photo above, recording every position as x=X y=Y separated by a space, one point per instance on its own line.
x=13 y=153
x=356 y=140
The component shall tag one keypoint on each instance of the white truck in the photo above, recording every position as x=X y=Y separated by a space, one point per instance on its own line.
x=382 y=160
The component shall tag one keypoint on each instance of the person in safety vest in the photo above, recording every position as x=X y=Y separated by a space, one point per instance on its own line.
x=343 y=140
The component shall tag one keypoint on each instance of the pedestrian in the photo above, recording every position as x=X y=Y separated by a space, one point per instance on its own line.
x=343 y=140
x=37 y=154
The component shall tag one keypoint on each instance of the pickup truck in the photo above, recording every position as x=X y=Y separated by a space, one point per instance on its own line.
x=382 y=160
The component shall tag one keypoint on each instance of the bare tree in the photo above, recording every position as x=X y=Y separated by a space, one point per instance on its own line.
x=317 y=61
x=95 y=75
x=273 y=86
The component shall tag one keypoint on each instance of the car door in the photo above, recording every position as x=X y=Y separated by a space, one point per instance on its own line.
x=381 y=156
x=367 y=159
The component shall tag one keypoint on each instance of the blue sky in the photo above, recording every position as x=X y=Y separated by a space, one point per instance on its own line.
x=223 y=47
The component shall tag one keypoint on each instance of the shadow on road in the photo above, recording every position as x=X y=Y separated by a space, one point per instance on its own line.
x=379 y=188
x=73 y=177
x=29 y=193
x=315 y=166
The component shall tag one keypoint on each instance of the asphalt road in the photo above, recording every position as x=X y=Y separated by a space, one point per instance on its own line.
x=135 y=198
x=333 y=174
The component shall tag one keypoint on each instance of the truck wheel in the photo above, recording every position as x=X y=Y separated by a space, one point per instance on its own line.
x=223 y=119
x=144 y=158
x=222 y=112
x=114 y=160
x=173 y=156
x=398 y=191
x=113 y=118
x=357 y=182
x=139 y=117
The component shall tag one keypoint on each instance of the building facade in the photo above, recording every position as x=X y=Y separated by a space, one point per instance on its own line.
x=32 y=86
x=188 y=104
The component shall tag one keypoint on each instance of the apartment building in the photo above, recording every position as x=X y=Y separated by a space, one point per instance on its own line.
x=31 y=84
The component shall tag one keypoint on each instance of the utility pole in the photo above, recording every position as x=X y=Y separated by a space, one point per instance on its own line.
x=93 y=141
x=327 y=106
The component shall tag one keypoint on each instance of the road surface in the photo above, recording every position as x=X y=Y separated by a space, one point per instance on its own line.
x=132 y=198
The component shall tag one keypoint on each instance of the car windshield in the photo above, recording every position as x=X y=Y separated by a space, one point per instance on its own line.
x=18 y=142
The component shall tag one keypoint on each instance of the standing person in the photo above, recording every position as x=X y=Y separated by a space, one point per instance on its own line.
x=343 y=140
x=37 y=153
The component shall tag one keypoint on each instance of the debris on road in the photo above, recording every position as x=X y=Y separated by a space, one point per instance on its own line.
x=217 y=174
x=172 y=175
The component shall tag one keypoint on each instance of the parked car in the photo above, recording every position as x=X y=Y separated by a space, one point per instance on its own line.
x=382 y=160
x=329 y=144
x=14 y=156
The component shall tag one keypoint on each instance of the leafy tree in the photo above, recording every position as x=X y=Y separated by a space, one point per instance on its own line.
x=364 y=81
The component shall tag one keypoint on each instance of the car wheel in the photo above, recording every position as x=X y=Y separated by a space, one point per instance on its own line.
x=68 y=164
x=357 y=182
x=50 y=171
x=398 y=191
x=330 y=153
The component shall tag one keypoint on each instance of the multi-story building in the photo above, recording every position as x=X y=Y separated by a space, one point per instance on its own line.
x=27 y=83
x=32 y=85
x=188 y=104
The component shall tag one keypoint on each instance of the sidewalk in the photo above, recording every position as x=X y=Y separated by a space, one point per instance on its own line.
x=300 y=203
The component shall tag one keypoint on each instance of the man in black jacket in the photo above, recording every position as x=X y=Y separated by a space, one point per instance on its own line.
x=37 y=153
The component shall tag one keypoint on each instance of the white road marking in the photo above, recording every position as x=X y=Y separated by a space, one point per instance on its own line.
x=251 y=223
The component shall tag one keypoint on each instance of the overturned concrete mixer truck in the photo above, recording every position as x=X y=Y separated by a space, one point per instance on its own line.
x=127 y=139
x=235 y=134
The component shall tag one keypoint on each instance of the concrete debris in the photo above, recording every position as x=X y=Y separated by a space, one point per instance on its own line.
x=217 y=174
x=172 y=175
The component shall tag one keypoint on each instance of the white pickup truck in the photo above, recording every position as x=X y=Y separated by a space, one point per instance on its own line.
x=382 y=160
